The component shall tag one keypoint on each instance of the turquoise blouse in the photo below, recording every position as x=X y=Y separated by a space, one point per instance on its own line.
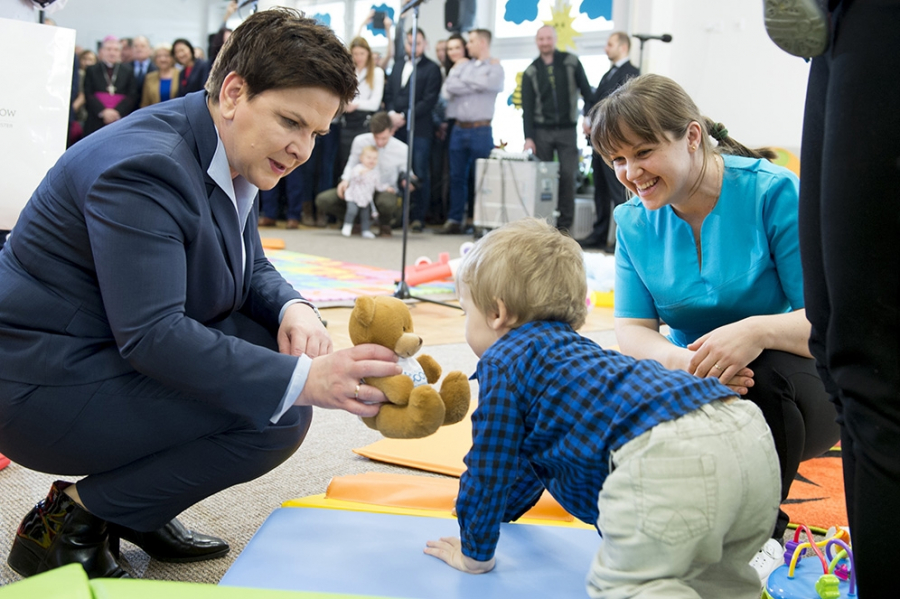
x=750 y=248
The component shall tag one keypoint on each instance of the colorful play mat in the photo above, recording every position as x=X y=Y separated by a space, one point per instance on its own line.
x=331 y=283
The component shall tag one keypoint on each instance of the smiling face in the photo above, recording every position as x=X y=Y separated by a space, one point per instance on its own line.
x=661 y=173
x=269 y=136
x=183 y=54
x=162 y=57
x=455 y=50
x=369 y=158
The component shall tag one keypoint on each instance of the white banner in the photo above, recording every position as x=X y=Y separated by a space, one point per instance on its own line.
x=36 y=71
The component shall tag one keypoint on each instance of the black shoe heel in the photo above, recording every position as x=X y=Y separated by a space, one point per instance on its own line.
x=57 y=532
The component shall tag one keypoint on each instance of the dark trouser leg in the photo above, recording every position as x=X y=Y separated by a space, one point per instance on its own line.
x=388 y=205
x=608 y=193
x=148 y=452
x=269 y=201
x=298 y=189
x=460 y=150
x=564 y=143
x=328 y=203
x=797 y=409
x=421 y=198
x=848 y=223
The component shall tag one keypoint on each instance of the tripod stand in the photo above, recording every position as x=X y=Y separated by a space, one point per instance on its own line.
x=402 y=291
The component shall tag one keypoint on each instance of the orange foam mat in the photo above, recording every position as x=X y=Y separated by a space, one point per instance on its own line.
x=272 y=243
x=417 y=496
x=442 y=452
x=817 y=493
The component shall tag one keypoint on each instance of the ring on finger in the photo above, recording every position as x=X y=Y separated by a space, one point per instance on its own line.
x=356 y=395
x=717 y=367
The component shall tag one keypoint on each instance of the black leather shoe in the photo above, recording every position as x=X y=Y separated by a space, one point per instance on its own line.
x=593 y=241
x=58 y=532
x=171 y=543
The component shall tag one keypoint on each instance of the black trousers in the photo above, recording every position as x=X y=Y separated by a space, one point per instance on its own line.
x=608 y=193
x=797 y=409
x=849 y=224
x=148 y=452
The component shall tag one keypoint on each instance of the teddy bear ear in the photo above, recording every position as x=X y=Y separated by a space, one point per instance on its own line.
x=364 y=310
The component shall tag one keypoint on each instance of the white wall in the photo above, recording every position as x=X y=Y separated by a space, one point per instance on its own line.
x=162 y=21
x=720 y=52
x=721 y=55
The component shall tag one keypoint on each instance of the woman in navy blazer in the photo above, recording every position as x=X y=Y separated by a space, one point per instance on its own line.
x=194 y=71
x=146 y=343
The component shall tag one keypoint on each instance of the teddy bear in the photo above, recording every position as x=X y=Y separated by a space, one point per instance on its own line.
x=415 y=409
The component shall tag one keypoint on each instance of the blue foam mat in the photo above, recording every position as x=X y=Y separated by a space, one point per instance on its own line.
x=339 y=551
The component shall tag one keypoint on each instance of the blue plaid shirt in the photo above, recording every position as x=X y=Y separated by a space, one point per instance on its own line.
x=552 y=405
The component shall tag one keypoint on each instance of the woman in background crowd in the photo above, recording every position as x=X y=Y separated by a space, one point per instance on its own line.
x=161 y=85
x=355 y=120
x=194 y=72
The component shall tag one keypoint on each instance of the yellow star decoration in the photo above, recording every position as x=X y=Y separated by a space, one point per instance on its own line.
x=562 y=22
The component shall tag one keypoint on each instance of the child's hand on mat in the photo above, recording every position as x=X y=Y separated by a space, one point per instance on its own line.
x=301 y=332
x=449 y=550
x=334 y=380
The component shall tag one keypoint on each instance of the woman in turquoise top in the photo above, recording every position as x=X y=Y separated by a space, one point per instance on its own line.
x=709 y=246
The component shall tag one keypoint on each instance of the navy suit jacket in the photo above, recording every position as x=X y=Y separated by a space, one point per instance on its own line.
x=609 y=84
x=428 y=89
x=125 y=257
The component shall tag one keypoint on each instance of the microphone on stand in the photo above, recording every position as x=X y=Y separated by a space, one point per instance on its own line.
x=644 y=37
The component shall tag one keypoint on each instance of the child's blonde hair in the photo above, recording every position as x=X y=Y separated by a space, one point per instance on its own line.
x=368 y=150
x=537 y=271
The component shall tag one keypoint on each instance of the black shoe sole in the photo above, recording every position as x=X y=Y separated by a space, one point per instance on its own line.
x=799 y=27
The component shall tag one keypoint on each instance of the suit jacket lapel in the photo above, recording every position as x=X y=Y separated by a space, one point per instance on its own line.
x=220 y=204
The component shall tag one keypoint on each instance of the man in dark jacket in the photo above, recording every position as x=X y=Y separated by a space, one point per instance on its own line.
x=607 y=189
x=396 y=103
x=550 y=86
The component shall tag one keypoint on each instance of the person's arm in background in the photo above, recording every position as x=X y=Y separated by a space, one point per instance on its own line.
x=528 y=102
x=431 y=89
x=581 y=81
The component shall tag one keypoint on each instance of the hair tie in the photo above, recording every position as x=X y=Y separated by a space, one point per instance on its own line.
x=718 y=132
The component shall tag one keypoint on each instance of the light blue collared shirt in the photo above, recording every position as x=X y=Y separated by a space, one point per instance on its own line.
x=242 y=194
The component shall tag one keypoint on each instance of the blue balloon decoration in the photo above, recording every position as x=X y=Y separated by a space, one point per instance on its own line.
x=597 y=8
x=519 y=11
x=389 y=13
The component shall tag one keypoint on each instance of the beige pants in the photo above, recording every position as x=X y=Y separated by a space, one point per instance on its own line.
x=688 y=504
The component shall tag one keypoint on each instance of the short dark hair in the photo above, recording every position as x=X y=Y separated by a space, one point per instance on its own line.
x=279 y=48
x=622 y=37
x=409 y=32
x=181 y=40
x=483 y=33
x=379 y=122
